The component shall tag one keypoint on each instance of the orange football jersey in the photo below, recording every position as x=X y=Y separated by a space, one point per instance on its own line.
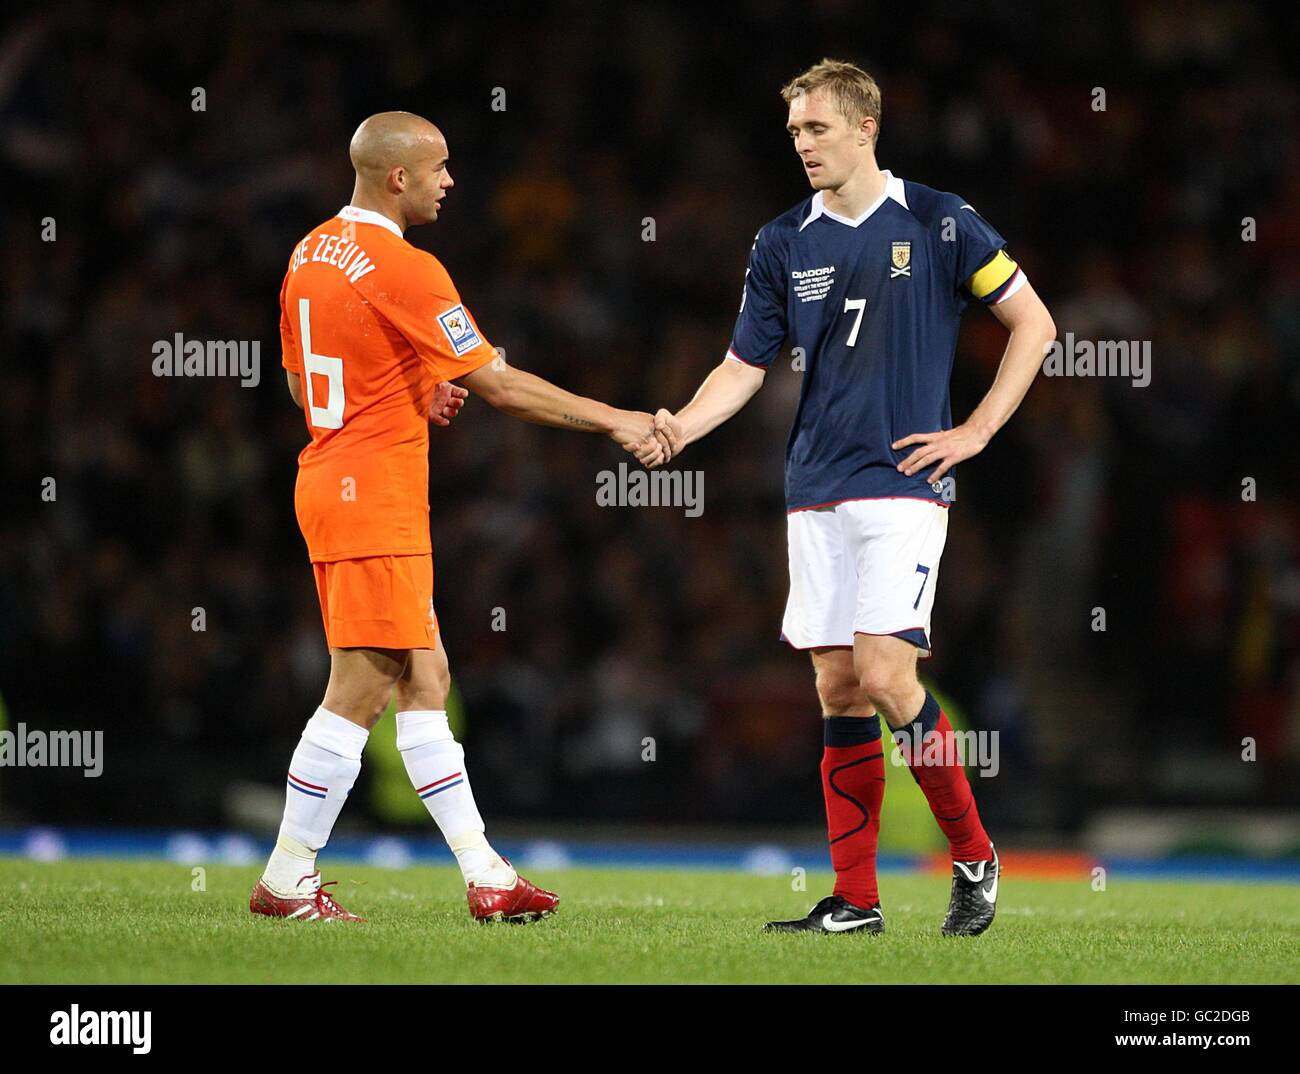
x=371 y=324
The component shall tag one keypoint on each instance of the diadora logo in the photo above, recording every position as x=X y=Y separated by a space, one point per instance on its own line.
x=900 y=260
x=812 y=285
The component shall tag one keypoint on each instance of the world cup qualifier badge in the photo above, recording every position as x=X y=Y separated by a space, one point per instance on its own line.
x=901 y=260
x=458 y=330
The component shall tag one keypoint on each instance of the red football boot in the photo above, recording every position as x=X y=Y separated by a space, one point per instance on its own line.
x=317 y=905
x=519 y=904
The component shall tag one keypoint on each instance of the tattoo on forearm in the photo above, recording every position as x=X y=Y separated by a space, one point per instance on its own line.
x=583 y=422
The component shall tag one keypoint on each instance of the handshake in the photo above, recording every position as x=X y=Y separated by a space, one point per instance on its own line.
x=652 y=438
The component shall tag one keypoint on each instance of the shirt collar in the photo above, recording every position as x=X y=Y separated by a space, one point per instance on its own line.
x=893 y=189
x=369 y=216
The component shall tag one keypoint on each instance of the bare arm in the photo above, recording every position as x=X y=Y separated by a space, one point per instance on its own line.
x=725 y=390
x=523 y=395
x=295 y=387
x=1031 y=328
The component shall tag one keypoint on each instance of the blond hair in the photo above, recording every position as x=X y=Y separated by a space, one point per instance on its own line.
x=854 y=91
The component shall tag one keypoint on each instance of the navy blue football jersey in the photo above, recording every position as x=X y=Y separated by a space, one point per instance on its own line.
x=873 y=305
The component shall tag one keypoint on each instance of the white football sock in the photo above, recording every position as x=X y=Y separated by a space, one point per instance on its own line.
x=290 y=868
x=324 y=767
x=435 y=763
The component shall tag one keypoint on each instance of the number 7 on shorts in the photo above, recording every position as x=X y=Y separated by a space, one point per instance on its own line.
x=925 y=577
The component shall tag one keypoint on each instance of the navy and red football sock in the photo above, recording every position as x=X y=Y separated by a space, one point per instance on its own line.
x=945 y=785
x=853 y=784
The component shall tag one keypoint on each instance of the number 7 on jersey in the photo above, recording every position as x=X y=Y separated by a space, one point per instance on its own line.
x=858 y=304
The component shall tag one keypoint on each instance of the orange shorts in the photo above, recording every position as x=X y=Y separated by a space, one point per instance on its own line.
x=380 y=602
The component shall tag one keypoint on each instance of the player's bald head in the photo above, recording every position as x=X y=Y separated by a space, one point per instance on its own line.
x=391 y=139
x=401 y=165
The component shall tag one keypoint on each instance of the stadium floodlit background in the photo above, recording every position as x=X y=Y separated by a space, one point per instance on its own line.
x=626 y=623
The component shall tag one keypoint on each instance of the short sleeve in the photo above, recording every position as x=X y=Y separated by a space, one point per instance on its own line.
x=761 y=323
x=289 y=357
x=984 y=270
x=430 y=314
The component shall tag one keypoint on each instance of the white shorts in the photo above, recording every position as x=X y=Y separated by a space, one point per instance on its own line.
x=863 y=567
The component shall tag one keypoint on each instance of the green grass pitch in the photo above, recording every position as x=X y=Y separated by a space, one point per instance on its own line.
x=100 y=921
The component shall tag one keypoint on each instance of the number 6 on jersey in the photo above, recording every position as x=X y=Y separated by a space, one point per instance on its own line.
x=331 y=415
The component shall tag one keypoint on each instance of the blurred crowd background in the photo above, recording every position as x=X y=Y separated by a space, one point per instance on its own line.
x=623 y=623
